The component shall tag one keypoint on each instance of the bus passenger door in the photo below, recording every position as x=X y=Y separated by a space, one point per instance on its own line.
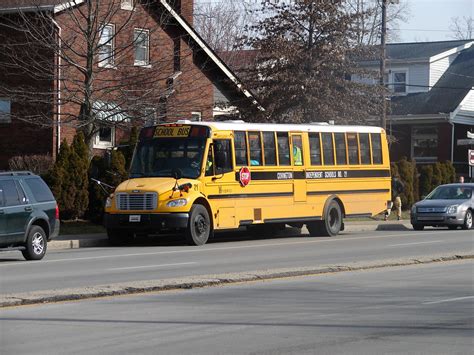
x=299 y=178
x=219 y=183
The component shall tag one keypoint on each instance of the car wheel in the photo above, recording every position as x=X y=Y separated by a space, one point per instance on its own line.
x=418 y=227
x=467 y=220
x=119 y=237
x=199 y=226
x=36 y=244
x=332 y=223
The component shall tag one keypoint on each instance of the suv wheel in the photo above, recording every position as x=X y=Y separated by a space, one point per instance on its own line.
x=35 y=244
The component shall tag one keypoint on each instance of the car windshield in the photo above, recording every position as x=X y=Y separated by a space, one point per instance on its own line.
x=450 y=193
x=163 y=157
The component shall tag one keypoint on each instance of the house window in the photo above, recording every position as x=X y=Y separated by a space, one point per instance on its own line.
x=106 y=46
x=424 y=142
x=5 y=110
x=399 y=82
x=126 y=4
x=104 y=138
x=141 y=43
x=196 y=116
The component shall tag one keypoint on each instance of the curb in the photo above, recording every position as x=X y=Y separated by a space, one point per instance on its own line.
x=135 y=287
x=100 y=240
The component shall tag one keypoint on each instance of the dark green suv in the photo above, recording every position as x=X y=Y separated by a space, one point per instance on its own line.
x=29 y=214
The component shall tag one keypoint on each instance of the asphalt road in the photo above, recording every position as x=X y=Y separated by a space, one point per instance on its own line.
x=422 y=309
x=154 y=260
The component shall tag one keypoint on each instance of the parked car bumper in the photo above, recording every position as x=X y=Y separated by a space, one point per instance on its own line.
x=146 y=222
x=55 y=232
x=438 y=219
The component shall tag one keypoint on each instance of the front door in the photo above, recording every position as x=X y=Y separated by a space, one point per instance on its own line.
x=220 y=183
x=299 y=182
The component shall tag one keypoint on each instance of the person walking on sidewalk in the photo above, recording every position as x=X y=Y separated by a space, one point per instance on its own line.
x=397 y=189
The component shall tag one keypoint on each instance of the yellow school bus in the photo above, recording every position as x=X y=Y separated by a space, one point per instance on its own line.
x=198 y=177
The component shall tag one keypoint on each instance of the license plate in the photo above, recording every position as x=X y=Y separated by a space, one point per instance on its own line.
x=134 y=218
x=430 y=218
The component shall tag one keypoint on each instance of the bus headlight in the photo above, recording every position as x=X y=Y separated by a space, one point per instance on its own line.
x=108 y=201
x=452 y=209
x=180 y=202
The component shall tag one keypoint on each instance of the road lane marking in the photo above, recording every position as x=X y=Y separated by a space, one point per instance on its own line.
x=149 y=266
x=434 y=241
x=205 y=249
x=449 y=300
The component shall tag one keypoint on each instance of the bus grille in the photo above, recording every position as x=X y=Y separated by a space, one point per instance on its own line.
x=137 y=202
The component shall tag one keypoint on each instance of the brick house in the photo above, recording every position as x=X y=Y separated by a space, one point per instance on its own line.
x=152 y=66
x=432 y=103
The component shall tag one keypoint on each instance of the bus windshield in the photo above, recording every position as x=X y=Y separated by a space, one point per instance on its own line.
x=162 y=157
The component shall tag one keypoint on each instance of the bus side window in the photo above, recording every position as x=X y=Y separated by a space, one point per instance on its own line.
x=328 y=152
x=283 y=148
x=255 y=147
x=340 y=148
x=352 y=148
x=297 y=143
x=315 y=148
x=364 y=148
x=240 y=145
x=376 y=148
x=222 y=156
x=269 y=148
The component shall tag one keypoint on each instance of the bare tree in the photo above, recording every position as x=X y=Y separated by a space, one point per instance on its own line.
x=91 y=65
x=462 y=28
x=222 y=24
x=306 y=55
x=369 y=24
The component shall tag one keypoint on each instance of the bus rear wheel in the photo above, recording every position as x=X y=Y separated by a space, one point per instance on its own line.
x=199 y=226
x=332 y=222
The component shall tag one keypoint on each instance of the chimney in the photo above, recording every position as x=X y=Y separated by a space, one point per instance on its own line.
x=184 y=7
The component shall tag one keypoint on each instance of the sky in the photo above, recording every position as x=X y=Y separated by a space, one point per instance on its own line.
x=429 y=20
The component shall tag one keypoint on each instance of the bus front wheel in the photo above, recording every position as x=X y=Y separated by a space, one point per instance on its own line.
x=332 y=223
x=199 y=226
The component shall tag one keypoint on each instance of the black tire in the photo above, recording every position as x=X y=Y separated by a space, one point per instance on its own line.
x=36 y=244
x=119 y=237
x=418 y=227
x=332 y=222
x=199 y=226
x=467 y=220
x=453 y=227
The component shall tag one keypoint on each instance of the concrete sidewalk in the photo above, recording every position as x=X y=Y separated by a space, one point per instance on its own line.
x=76 y=241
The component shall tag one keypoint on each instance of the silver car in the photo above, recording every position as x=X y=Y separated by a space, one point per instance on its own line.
x=449 y=205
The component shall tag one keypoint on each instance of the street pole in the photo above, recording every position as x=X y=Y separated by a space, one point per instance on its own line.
x=383 y=50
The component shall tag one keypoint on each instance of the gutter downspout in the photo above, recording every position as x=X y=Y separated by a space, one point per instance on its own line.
x=58 y=127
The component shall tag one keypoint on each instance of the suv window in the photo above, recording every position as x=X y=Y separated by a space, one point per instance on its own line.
x=40 y=190
x=1 y=195
x=10 y=193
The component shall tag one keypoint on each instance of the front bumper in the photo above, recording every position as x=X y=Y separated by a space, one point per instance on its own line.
x=437 y=219
x=148 y=222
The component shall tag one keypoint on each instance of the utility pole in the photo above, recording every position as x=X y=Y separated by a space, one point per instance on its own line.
x=383 y=54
